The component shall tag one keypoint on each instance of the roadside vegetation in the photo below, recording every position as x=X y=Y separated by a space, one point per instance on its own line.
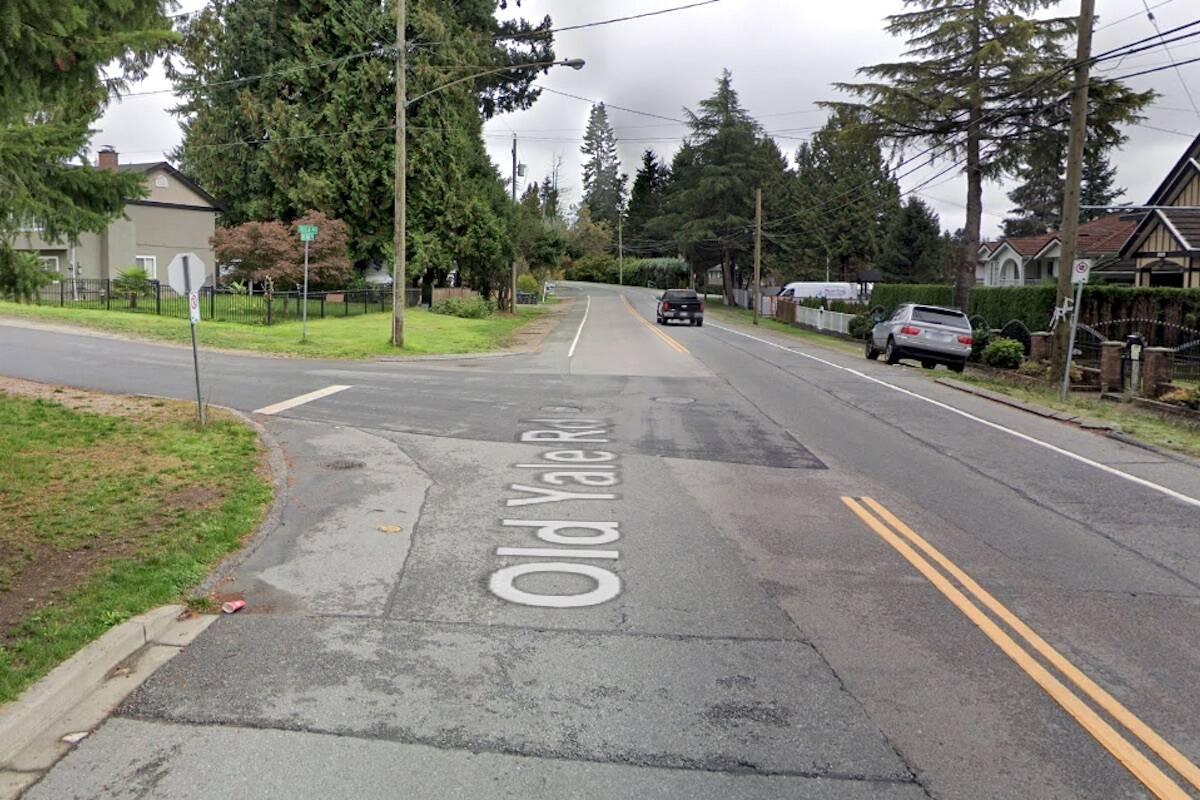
x=352 y=337
x=109 y=506
x=718 y=311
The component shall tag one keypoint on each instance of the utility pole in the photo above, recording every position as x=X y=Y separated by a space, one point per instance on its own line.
x=400 y=268
x=513 y=261
x=1070 y=211
x=756 y=300
x=620 y=251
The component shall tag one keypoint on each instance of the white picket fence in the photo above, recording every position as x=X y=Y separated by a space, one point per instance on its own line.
x=824 y=320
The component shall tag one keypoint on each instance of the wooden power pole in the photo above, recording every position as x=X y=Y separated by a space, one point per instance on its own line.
x=400 y=268
x=756 y=299
x=1075 y=142
x=512 y=288
x=620 y=249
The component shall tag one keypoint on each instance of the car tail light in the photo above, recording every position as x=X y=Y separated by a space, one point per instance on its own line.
x=666 y=306
x=909 y=330
x=702 y=307
x=965 y=340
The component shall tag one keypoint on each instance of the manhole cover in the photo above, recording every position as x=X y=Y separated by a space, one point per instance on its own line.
x=562 y=409
x=675 y=401
x=345 y=463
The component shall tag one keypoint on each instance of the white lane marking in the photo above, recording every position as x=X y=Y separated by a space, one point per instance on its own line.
x=1183 y=498
x=301 y=400
x=582 y=322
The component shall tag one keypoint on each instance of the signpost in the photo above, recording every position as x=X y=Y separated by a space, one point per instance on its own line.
x=1080 y=270
x=185 y=274
x=308 y=233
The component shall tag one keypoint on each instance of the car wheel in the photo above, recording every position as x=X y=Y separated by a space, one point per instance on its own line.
x=891 y=355
x=929 y=364
x=872 y=353
x=958 y=366
x=659 y=320
x=699 y=323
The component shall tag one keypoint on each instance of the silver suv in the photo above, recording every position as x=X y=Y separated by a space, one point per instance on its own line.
x=928 y=334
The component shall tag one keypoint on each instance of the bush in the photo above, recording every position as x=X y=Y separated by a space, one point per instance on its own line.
x=527 y=284
x=21 y=275
x=859 y=326
x=1035 y=369
x=979 y=340
x=1003 y=353
x=465 y=307
x=598 y=268
x=1189 y=398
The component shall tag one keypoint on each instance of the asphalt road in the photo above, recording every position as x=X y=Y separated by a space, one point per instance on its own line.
x=699 y=562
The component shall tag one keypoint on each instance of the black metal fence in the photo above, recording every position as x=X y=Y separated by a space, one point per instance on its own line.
x=216 y=304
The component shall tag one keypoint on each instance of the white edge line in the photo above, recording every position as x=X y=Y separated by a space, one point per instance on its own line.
x=582 y=322
x=300 y=400
x=1183 y=498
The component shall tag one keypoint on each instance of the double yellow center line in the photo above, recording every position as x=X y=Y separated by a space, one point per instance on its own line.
x=903 y=539
x=674 y=345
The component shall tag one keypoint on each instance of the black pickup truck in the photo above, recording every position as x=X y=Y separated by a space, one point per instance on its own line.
x=680 y=304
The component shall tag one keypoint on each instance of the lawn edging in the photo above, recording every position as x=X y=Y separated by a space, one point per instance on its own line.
x=71 y=682
x=1106 y=429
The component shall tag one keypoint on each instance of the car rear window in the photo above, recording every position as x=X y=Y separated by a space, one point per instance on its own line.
x=677 y=294
x=941 y=316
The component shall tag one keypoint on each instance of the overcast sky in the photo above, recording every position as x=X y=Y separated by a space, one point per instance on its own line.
x=783 y=54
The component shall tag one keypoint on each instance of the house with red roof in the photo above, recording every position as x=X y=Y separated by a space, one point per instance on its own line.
x=1032 y=260
x=1165 y=245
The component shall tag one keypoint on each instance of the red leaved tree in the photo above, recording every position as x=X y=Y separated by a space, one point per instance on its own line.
x=260 y=251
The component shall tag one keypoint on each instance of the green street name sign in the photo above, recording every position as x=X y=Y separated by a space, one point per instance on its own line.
x=308 y=233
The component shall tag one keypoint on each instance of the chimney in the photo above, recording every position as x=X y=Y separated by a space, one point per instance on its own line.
x=107 y=159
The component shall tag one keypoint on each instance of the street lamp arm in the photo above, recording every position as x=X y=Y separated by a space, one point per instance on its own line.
x=573 y=63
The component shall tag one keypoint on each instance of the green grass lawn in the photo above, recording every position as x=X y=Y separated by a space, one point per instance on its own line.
x=109 y=507
x=1132 y=420
x=720 y=312
x=363 y=336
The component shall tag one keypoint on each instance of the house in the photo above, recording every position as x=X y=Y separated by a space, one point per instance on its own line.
x=176 y=216
x=1165 y=246
x=1031 y=260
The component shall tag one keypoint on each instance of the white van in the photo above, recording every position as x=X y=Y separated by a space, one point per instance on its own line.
x=825 y=291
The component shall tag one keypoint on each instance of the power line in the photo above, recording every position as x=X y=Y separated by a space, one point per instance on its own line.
x=1171 y=58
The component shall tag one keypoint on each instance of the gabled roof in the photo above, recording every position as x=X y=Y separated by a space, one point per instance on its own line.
x=148 y=166
x=989 y=247
x=1030 y=246
x=1187 y=166
x=1184 y=225
x=1107 y=235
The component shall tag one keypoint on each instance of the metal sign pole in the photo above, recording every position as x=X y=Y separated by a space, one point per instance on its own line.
x=304 y=317
x=192 y=298
x=1080 y=270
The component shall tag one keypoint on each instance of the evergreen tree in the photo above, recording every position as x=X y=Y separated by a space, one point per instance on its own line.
x=60 y=65
x=647 y=201
x=914 y=249
x=321 y=138
x=714 y=175
x=845 y=198
x=974 y=84
x=603 y=183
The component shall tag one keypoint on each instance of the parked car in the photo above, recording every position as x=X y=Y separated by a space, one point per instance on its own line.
x=928 y=334
x=680 y=304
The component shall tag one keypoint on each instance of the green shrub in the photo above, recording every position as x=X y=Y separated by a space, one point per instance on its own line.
x=21 y=275
x=890 y=295
x=528 y=284
x=1035 y=369
x=1003 y=353
x=859 y=326
x=597 y=268
x=465 y=307
x=979 y=340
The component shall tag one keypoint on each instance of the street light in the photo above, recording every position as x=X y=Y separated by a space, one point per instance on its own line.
x=399 y=279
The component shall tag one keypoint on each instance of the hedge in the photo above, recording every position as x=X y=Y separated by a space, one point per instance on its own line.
x=664 y=273
x=1034 y=305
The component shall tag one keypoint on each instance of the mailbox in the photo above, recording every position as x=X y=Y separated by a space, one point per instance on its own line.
x=1134 y=343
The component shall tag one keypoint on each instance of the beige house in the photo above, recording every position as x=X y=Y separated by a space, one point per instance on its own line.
x=176 y=216
x=1166 y=245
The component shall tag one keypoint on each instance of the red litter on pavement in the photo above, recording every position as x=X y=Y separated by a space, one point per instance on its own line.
x=233 y=606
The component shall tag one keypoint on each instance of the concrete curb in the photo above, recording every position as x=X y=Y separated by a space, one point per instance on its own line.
x=1108 y=429
x=72 y=681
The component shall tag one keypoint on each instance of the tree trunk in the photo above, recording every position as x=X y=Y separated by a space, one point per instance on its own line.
x=727 y=276
x=964 y=278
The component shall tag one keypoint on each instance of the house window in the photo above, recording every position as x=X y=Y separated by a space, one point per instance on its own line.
x=49 y=263
x=149 y=264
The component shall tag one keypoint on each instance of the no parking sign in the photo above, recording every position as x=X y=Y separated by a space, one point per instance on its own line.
x=1081 y=269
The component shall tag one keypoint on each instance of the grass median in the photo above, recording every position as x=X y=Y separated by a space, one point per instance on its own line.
x=718 y=311
x=109 y=506
x=364 y=336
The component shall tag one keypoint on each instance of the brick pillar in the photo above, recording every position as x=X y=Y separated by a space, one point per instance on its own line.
x=1156 y=370
x=1110 y=366
x=1039 y=346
